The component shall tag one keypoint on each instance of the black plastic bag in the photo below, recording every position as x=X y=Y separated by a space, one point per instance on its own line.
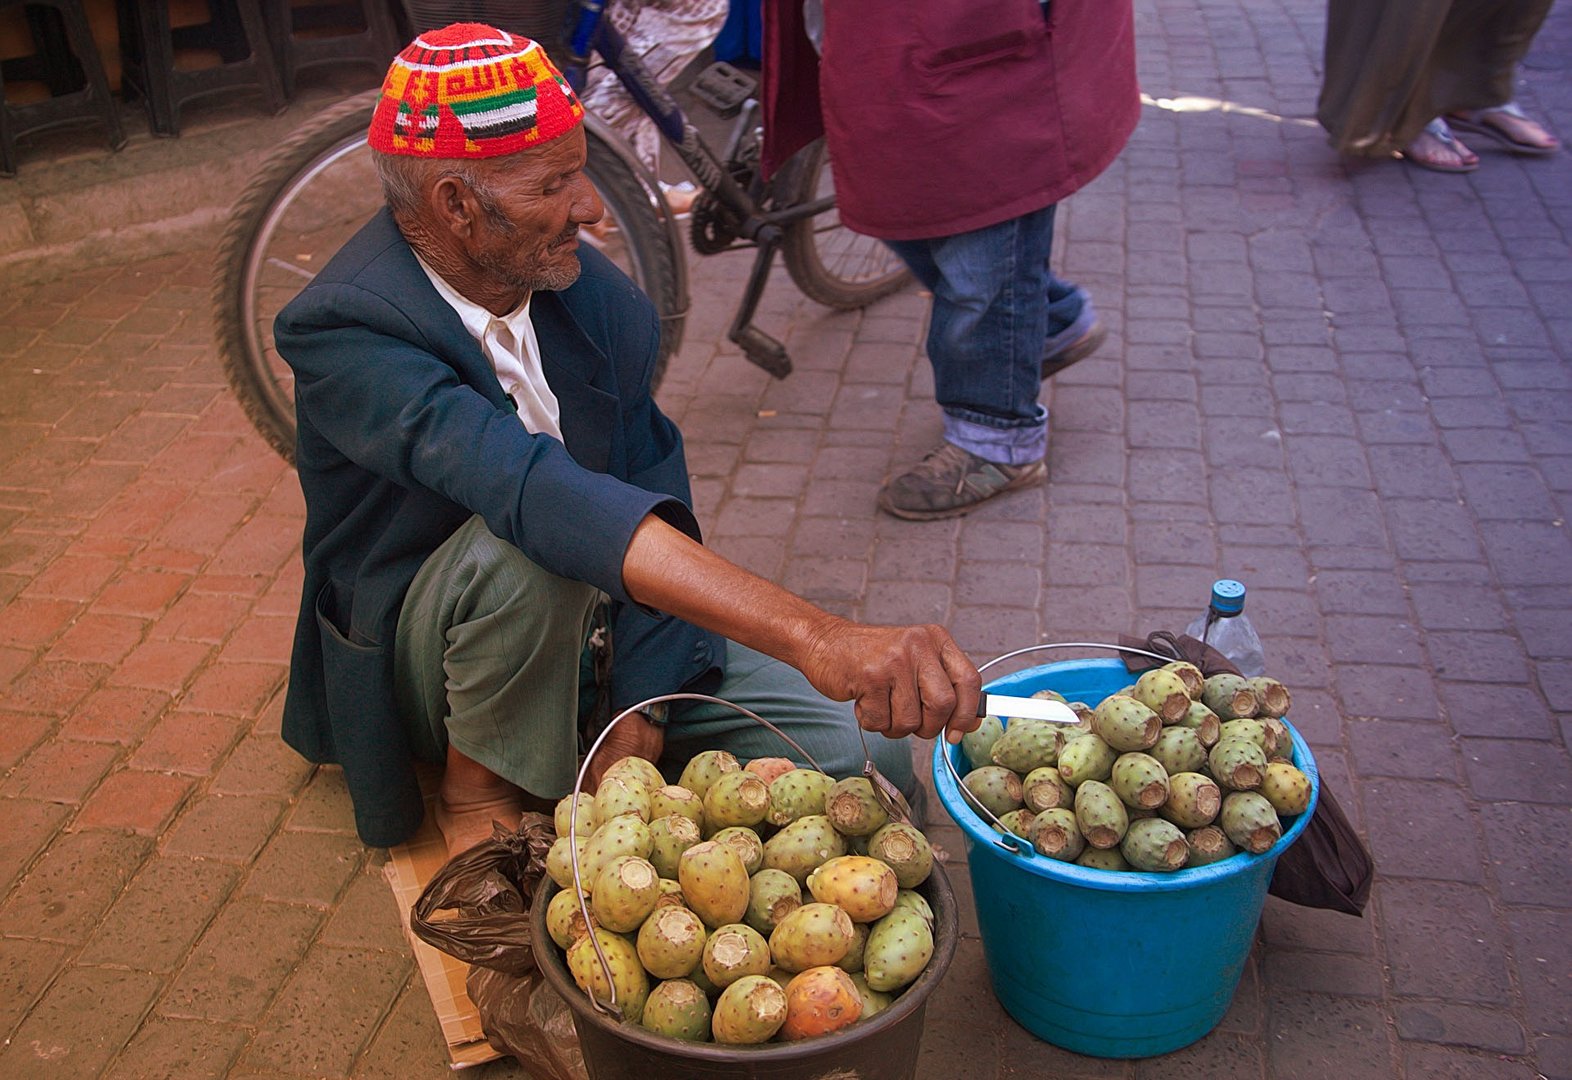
x=1328 y=866
x=491 y=887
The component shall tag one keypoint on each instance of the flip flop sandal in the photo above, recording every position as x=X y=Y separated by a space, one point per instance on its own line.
x=1438 y=130
x=1483 y=122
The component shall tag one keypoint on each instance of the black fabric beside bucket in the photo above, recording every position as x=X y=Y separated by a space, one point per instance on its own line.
x=883 y=1048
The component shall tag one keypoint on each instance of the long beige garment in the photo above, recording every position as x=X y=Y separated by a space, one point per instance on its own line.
x=1393 y=65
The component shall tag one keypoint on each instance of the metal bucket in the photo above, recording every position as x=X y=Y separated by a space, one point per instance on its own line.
x=882 y=1048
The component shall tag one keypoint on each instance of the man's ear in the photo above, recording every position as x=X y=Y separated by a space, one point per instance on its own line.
x=453 y=205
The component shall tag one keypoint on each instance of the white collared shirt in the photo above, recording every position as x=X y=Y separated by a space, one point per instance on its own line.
x=508 y=342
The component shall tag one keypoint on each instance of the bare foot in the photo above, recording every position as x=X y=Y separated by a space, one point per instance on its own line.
x=1508 y=126
x=470 y=798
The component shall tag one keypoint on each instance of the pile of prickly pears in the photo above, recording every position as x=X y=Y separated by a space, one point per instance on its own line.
x=741 y=904
x=1173 y=771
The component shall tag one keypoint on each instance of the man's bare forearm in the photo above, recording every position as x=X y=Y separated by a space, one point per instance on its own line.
x=904 y=680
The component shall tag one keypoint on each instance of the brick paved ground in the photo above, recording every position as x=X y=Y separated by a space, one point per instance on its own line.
x=1346 y=385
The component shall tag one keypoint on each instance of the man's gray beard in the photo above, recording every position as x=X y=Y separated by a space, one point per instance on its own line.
x=546 y=279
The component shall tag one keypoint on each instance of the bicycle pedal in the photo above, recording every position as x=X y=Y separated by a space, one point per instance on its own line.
x=723 y=87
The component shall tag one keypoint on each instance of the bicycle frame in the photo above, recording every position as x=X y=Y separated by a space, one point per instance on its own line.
x=593 y=33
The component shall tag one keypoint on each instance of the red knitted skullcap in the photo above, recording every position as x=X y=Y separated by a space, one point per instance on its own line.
x=471 y=91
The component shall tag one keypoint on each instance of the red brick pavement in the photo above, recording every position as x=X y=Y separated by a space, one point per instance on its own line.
x=1347 y=385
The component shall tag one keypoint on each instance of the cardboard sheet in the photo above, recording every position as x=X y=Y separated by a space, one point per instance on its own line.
x=408 y=869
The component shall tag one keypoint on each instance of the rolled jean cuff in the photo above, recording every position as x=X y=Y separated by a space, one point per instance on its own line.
x=1016 y=444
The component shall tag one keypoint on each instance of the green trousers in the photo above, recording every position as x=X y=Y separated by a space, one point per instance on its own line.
x=487 y=658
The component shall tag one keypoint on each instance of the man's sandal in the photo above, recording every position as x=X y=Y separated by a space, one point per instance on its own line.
x=1464 y=159
x=1507 y=125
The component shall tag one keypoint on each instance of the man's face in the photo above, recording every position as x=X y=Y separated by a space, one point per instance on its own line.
x=533 y=204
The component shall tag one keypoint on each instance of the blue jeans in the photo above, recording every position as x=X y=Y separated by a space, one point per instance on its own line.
x=995 y=304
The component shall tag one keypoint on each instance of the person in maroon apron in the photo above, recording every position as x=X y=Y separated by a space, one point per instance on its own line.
x=955 y=130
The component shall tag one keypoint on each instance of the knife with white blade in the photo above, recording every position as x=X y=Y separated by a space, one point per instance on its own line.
x=1055 y=712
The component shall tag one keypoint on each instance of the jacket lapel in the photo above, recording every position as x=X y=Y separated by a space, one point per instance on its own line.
x=577 y=372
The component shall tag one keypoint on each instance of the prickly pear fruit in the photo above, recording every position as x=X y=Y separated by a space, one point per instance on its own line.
x=904 y=849
x=1056 y=835
x=1188 y=674
x=638 y=769
x=1018 y=822
x=1102 y=859
x=675 y=799
x=873 y=1001
x=797 y=794
x=670 y=894
x=1286 y=788
x=671 y=942
x=978 y=745
x=624 y=893
x=1208 y=845
x=1237 y=764
x=995 y=787
x=1193 y=800
x=1125 y=724
x=746 y=843
x=859 y=885
x=1100 y=814
x=1229 y=696
x=819 y=1001
x=1271 y=697
x=1165 y=693
x=1154 y=845
x=772 y=895
x=559 y=862
x=899 y=947
x=1027 y=745
x=1083 y=714
x=910 y=898
x=702 y=981
x=1249 y=821
x=627 y=974
x=678 y=1009
x=1048 y=695
x=852 y=961
x=1254 y=730
x=735 y=950
x=813 y=935
x=801 y=846
x=781 y=976
x=1178 y=749
x=1203 y=722
x=1044 y=789
x=621 y=795
x=715 y=882
x=735 y=798
x=750 y=1010
x=1278 y=740
x=585 y=825
x=564 y=919
x=704 y=768
x=1139 y=780
x=622 y=835
x=769 y=769
x=1086 y=757
x=670 y=836
x=853 y=809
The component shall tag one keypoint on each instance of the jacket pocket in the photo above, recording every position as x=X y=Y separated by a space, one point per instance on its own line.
x=334 y=607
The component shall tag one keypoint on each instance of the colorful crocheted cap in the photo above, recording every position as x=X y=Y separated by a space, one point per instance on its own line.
x=471 y=91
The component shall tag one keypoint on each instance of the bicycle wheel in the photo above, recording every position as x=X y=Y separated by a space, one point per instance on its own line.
x=830 y=263
x=317 y=189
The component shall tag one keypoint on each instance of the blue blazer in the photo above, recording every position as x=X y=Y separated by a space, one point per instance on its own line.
x=404 y=432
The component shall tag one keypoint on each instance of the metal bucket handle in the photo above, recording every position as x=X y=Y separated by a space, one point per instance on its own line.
x=611 y=1009
x=1008 y=840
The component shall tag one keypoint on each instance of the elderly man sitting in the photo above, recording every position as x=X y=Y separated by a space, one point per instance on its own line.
x=482 y=462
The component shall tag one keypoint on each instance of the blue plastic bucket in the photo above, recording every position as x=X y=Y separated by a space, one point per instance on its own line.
x=1114 y=965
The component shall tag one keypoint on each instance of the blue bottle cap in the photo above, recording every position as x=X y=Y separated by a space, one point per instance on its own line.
x=1228 y=596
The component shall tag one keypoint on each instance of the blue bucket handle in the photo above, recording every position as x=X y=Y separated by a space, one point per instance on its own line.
x=1008 y=840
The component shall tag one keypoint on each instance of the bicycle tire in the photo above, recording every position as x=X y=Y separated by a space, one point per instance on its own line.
x=244 y=299
x=827 y=261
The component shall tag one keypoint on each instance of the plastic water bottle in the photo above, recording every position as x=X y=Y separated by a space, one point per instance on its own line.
x=1226 y=628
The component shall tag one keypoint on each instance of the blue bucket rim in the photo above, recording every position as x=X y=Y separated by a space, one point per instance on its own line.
x=981 y=832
